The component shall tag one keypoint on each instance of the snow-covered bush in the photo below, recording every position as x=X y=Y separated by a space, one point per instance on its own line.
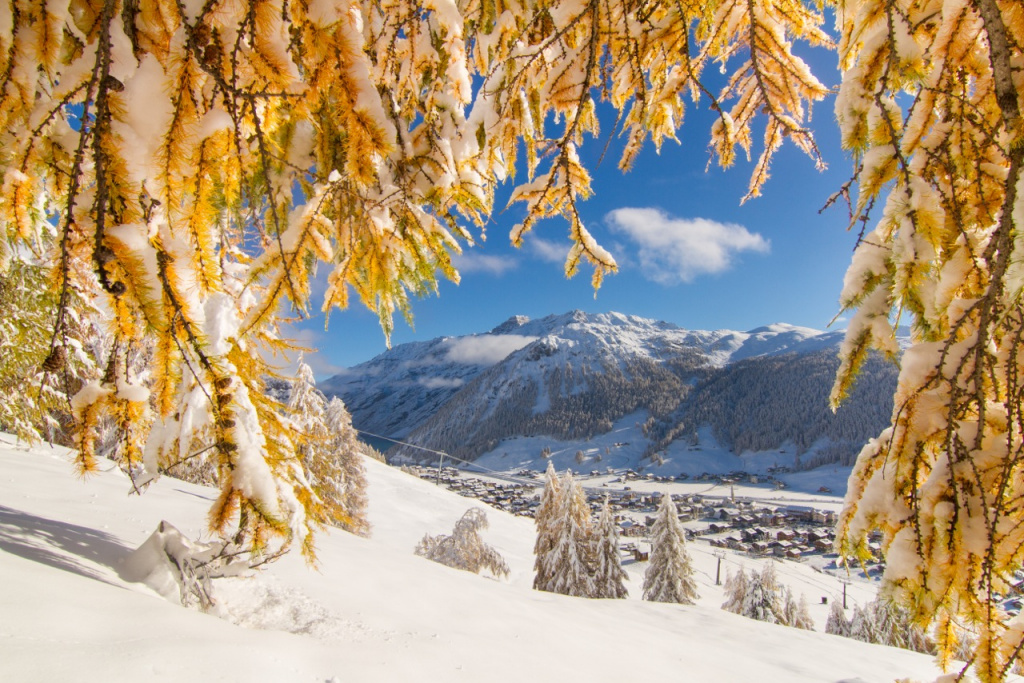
x=464 y=548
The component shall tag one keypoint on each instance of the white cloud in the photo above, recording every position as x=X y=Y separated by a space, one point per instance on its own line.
x=440 y=382
x=553 y=252
x=485 y=349
x=674 y=250
x=472 y=262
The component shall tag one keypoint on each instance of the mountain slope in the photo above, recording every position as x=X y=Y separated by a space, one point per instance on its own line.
x=372 y=612
x=572 y=377
x=398 y=390
x=393 y=392
x=759 y=404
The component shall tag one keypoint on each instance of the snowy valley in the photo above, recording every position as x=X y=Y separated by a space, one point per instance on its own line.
x=371 y=610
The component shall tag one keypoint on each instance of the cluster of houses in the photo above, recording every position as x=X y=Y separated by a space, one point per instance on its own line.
x=729 y=478
x=745 y=526
x=519 y=499
x=791 y=543
x=790 y=531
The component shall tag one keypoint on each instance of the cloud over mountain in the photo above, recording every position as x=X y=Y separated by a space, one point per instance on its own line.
x=485 y=349
x=674 y=250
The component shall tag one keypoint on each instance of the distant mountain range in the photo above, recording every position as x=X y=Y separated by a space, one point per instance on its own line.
x=569 y=378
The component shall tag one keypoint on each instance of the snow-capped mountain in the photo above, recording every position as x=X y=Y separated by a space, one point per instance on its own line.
x=574 y=376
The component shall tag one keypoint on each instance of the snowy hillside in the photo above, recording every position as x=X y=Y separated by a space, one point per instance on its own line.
x=574 y=378
x=372 y=611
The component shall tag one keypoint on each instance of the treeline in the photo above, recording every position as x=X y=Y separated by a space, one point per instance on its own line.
x=756 y=404
x=571 y=402
x=761 y=403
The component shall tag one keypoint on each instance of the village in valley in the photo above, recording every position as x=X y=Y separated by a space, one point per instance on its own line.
x=738 y=511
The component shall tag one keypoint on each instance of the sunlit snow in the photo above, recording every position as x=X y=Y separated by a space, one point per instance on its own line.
x=372 y=611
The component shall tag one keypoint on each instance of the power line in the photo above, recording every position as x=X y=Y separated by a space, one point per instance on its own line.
x=441 y=454
x=403 y=443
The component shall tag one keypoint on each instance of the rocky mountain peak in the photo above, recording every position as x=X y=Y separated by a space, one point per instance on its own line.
x=511 y=325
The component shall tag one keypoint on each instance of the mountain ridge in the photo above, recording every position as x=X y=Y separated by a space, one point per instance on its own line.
x=572 y=376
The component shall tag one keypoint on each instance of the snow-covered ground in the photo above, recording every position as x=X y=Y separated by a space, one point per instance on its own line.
x=623 y=446
x=372 y=611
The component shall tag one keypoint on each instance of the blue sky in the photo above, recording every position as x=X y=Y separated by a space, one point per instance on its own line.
x=689 y=252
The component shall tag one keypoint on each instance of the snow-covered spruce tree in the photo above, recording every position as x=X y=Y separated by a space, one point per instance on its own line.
x=191 y=163
x=736 y=586
x=802 y=617
x=329 y=448
x=863 y=625
x=794 y=613
x=837 y=623
x=609 y=577
x=763 y=600
x=885 y=622
x=464 y=549
x=307 y=408
x=669 y=575
x=930 y=104
x=568 y=564
x=349 y=490
x=547 y=519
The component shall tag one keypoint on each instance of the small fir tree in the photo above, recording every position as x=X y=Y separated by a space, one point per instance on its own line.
x=891 y=625
x=789 y=607
x=608 y=573
x=329 y=450
x=736 y=587
x=837 y=623
x=307 y=406
x=863 y=626
x=888 y=623
x=801 y=618
x=311 y=438
x=669 y=576
x=464 y=549
x=546 y=521
x=763 y=600
x=794 y=612
x=568 y=563
x=351 y=485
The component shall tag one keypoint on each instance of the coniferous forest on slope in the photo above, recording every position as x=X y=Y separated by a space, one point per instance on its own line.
x=754 y=404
